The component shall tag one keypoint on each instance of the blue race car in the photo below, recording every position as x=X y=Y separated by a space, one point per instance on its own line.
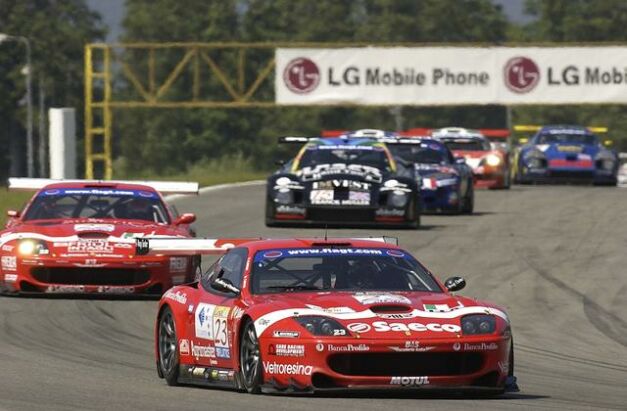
x=446 y=181
x=565 y=153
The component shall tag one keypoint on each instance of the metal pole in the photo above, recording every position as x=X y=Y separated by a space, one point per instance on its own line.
x=42 y=128
x=30 y=160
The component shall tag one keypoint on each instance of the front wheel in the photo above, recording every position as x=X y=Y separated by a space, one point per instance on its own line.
x=250 y=359
x=168 y=350
x=468 y=204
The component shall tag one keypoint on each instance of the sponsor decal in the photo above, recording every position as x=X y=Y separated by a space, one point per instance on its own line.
x=437 y=308
x=334 y=251
x=198 y=371
x=94 y=227
x=390 y=212
x=222 y=352
x=8 y=248
x=92 y=245
x=178 y=264
x=383 y=326
x=409 y=381
x=368 y=298
x=176 y=296
x=396 y=316
x=184 y=347
x=65 y=289
x=319 y=347
x=301 y=75
x=10 y=278
x=203 y=351
x=395 y=253
x=333 y=184
x=332 y=310
x=90 y=262
x=272 y=254
x=457 y=346
x=481 y=347
x=521 y=74
x=106 y=289
x=287 y=369
x=287 y=350
x=348 y=348
x=287 y=209
x=9 y=262
x=371 y=174
x=412 y=346
x=202 y=320
x=237 y=313
x=286 y=334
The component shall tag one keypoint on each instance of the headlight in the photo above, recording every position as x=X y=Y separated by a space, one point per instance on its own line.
x=533 y=154
x=32 y=247
x=493 y=160
x=605 y=160
x=478 y=324
x=322 y=326
x=284 y=196
x=397 y=199
x=535 y=159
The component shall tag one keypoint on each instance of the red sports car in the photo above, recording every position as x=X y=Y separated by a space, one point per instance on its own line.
x=306 y=315
x=490 y=165
x=79 y=237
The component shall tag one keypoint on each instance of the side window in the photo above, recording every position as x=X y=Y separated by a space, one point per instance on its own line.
x=229 y=267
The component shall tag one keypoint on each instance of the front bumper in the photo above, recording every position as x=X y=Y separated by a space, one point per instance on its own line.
x=293 y=365
x=96 y=275
x=292 y=215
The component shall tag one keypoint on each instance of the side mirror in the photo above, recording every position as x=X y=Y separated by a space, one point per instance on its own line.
x=186 y=218
x=13 y=214
x=460 y=160
x=280 y=163
x=523 y=140
x=608 y=143
x=455 y=283
x=225 y=285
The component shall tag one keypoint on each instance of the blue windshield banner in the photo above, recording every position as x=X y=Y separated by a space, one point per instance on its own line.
x=327 y=252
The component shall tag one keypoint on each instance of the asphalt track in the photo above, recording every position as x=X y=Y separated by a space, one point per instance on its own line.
x=555 y=257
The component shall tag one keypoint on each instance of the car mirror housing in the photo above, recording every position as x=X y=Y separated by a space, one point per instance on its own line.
x=13 y=214
x=225 y=285
x=186 y=218
x=455 y=283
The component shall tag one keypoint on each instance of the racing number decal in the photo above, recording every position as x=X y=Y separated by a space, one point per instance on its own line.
x=220 y=336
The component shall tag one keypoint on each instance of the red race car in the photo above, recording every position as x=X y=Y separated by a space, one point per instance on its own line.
x=79 y=237
x=307 y=315
x=490 y=165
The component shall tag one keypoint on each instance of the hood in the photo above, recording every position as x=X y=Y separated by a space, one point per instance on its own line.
x=341 y=170
x=377 y=315
x=90 y=226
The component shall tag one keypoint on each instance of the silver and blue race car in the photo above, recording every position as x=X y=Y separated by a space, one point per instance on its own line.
x=565 y=153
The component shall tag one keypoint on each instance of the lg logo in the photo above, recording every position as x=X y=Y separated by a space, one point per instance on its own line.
x=301 y=75
x=521 y=74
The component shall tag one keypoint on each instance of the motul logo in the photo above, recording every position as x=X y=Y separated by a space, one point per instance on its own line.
x=407 y=381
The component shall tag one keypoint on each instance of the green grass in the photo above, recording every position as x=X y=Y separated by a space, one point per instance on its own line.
x=225 y=170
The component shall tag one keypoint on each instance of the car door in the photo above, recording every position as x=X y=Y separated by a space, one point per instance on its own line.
x=212 y=339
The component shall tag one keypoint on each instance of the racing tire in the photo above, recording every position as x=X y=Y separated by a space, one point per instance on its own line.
x=414 y=222
x=251 y=371
x=270 y=222
x=468 y=204
x=168 y=362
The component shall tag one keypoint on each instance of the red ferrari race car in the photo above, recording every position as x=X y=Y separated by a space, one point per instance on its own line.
x=490 y=165
x=79 y=237
x=308 y=315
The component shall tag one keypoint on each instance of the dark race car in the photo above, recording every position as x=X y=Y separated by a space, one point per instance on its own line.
x=308 y=315
x=446 y=182
x=342 y=181
x=565 y=153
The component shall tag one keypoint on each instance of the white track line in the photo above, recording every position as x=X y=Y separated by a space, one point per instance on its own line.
x=218 y=187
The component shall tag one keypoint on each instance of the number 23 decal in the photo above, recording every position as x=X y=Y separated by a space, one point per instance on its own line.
x=220 y=332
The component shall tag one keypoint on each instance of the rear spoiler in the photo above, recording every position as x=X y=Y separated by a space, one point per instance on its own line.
x=534 y=128
x=164 y=187
x=194 y=246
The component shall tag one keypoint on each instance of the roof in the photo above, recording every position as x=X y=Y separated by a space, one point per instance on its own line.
x=564 y=128
x=344 y=142
x=268 y=244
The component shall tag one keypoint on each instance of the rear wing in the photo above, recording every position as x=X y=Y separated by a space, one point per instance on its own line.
x=535 y=128
x=164 y=187
x=380 y=139
x=194 y=246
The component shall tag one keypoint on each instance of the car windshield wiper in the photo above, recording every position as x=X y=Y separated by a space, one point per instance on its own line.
x=293 y=287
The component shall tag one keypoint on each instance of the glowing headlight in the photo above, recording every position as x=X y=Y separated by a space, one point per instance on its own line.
x=398 y=199
x=322 y=326
x=32 y=247
x=478 y=324
x=493 y=160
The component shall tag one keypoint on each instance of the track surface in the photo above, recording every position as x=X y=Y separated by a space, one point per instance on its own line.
x=554 y=256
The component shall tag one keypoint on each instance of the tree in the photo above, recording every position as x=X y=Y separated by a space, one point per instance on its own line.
x=57 y=30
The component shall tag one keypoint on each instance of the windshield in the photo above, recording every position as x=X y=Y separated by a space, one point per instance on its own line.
x=588 y=139
x=366 y=155
x=422 y=153
x=97 y=203
x=338 y=269
x=467 y=144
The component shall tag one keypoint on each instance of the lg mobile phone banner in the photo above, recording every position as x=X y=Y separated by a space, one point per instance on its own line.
x=452 y=75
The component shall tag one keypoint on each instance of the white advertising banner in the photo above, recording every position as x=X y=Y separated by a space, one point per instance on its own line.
x=451 y=75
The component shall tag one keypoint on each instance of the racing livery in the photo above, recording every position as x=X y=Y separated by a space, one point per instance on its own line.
x=79 y=237
x=490 y=164
x=307 y=315
x=446 y=184
x=565 y=153
x=342 y=181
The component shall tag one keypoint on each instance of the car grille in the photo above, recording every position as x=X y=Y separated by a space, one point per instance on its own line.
x=567 y=175
x=90 y=276
x=340 y=215
x=406 y=364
